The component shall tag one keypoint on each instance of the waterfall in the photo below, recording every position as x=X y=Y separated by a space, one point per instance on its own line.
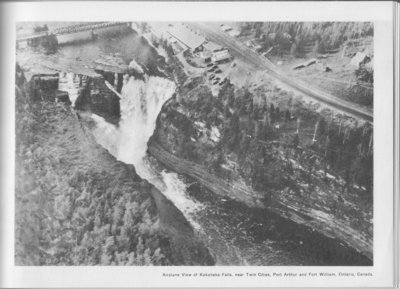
x=141 y=102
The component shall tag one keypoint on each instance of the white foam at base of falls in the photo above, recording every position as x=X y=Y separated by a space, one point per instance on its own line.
x=141 y=102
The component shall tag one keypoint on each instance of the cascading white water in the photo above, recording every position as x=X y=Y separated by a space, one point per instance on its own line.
x=141 y=102
x=69 y=82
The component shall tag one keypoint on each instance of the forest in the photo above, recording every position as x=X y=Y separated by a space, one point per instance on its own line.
x=257 y=133
x=299 y=38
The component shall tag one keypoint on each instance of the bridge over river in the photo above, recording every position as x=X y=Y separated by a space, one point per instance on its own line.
x=71 y=33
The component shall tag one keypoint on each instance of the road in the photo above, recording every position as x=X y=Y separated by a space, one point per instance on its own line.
x=238 y=49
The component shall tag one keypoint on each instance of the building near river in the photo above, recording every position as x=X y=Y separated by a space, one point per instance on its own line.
x=221 y=56
x=187 y=37
x=208 y=50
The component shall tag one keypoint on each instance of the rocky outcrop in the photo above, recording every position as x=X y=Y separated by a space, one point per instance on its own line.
x=96 y=97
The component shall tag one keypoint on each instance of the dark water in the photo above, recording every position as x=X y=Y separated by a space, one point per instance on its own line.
x=126 y=47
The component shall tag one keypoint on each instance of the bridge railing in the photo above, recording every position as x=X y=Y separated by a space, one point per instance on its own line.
x=84 y=27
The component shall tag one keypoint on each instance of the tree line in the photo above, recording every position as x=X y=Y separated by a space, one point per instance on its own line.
x=302 y=37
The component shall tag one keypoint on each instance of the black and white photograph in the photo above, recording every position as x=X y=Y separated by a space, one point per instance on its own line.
x=194 y=143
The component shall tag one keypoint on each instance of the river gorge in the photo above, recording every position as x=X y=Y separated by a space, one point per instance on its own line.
x=235 y=233
x=136 y=115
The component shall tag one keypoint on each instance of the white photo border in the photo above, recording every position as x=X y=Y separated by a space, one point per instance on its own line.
x=105 y=276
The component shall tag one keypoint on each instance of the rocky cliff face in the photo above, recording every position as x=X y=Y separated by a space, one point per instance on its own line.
x=77 y=205
x=95 y=96
x=247 y=149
